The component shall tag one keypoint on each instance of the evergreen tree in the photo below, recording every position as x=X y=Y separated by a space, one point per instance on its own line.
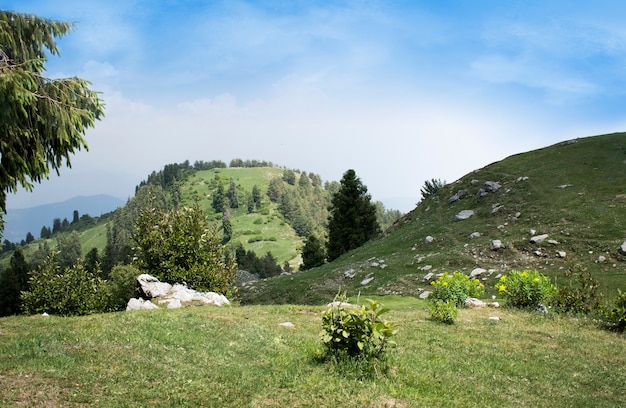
x=92 y=260
x=275 y=189
x=227 y=227
x=232 y=194
x=352 y=220
x=218 y=199
x=69 y=248
x=313 y=253
x=256 y=197
x=13 y=281
x=56 y=226
x=289 y=177
x=43 y=119
x=29 y=237
x=45 y=232
x=75 y=217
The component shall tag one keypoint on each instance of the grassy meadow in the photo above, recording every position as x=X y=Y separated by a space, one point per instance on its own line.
x=240 y=356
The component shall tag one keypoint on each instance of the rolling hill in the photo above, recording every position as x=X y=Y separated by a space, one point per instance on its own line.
x=575 y=192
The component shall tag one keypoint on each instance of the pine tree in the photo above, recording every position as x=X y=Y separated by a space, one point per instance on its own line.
x=43 y=119
x=352 y=220
x=313 y=253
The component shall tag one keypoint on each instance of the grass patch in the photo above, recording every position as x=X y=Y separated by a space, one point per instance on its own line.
x=240 y=356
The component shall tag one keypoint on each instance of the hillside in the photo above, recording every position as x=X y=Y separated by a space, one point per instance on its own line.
x=573 y=191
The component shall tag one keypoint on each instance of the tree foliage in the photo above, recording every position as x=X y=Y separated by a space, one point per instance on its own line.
x=431 y=187
x=42 y=121
x=313 y=253
x=180 y=246
x=352 y=220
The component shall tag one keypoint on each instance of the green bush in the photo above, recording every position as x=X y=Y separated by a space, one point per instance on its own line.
x=122 y=286
x=456 y=288
x=443 y=311
x=67 y=292
x=580 y=298
x=525 y=289
x=356 y=331
x=615 y=317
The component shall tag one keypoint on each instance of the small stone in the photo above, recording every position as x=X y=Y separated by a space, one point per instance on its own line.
x=367 y=280
x=541 y=308
x=493 y=304
x=495 y=318
x=477 y=272
x=288 y=325
x=44 y=314
x=474 y=235
x=428 y=239
x=601 y=259
x=463 y=215
x=622 y=249
x=424 y=294
x=427 y=277
x=538 y=238
x=474 y=303
x=495 y=245
x=561 y=254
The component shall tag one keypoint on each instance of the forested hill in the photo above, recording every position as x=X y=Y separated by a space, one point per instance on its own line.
x=259 y=207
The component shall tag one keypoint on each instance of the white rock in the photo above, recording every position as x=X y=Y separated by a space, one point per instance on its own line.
x=495 y=245
x=288 y=325
x=428 y=239
x=424 y=294
x=426 y=267
x=140 y=304
x=463 y=215
x=477 y=272
x=495 y=318
x=474 y=303
x=44 y=314
x=536 y=239
x=493 y=304
x=601 y=258
x=622 y=249
x=427 y=277
x=337 y=304
x=367 y=280
x=151 y=286
x=474 y=235
x=561 y=254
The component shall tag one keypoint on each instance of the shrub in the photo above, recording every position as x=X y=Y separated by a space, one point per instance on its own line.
x=66 y=292
x=456 y=288
x=443 y=311
x=122 y=286
x=582 y=299
x=615 y=317
x=525 y=289
x=356 y=331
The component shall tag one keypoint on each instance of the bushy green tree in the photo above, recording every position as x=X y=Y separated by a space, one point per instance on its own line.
x=65 y=291
x=180 y=246
x=13 y=281
x=69 y=249
x=431 y=187
x=352 y=220
x=43 y=120
x=313 y=253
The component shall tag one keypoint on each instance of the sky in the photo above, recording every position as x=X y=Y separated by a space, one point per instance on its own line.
x=400 y=91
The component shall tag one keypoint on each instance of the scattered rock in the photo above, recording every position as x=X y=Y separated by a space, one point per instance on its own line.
x=426 y=267
x=522 y=178
x=349 y=274
x=474 y=182
x=488 y=187
x=495 y=318
x=427 y=277
x=338 y=304
x=493 y=304
x=474 y=303
x=601 y=259
x=244 y=277
x=477 y=272
x=532 y=232
x=367 y=280
x=565 y=185
x=495 y=245
x=622 y=249
x=428 y=239
x=553 y=242
x=44 y=314
x=474 y=235
x=140 y=304
x=561 y=254
x=151 y=287
x=424 y=294
x=288 y=325
x=538 y=238
x=541 y=308
x=463 y=215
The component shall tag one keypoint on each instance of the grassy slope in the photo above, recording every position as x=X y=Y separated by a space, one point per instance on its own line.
x=240 y=356
x=587 y=219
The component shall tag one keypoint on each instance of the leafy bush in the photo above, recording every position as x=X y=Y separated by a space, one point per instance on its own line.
x=66 y=292
x=356 y=331
x=456 y=288
x=582 y=299
x=525 y=289
x=615 y=317
x=122 y=286
x=443 y=311
x=179 y=246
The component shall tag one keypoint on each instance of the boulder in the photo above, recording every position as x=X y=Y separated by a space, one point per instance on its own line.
x=488 y=187
x=474 y=235
x=561 y=254
x=537 y=239
x=622 y=249
x=477 y=272
x=151 y=286
x=463 y=215
x=428 y=239
x=424 y=294
x=140 y=304
x=495 y=245
x=427 y=277
x=474 y=303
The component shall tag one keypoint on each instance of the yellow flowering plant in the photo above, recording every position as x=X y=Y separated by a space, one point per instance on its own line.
x=456 y=288
x=525 y=289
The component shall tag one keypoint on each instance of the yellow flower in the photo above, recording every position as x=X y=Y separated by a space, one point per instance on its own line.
x=501 y=288
x=536 y=280
x=523 y=274
x=445 y=284
x=503 y=278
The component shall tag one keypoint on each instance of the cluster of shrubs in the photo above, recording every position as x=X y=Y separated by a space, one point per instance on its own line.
x=527 y=290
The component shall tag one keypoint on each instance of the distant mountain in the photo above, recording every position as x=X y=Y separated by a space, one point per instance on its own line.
x=18 y=222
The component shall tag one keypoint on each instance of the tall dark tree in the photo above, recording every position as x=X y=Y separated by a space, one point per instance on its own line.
x=233 y=199
x=256 y=196
x=56 y=226
x=313 y=253
x=43 y=120
x=219 y=199
x=45 y=232
x=13 y=281
x=75 y=217
x=352 y=220
x=29 y=237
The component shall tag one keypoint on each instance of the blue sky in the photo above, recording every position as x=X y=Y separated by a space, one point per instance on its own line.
x=401 y=92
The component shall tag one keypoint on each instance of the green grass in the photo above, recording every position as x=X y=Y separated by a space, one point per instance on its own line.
x=241 y=357
x=586 y=218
